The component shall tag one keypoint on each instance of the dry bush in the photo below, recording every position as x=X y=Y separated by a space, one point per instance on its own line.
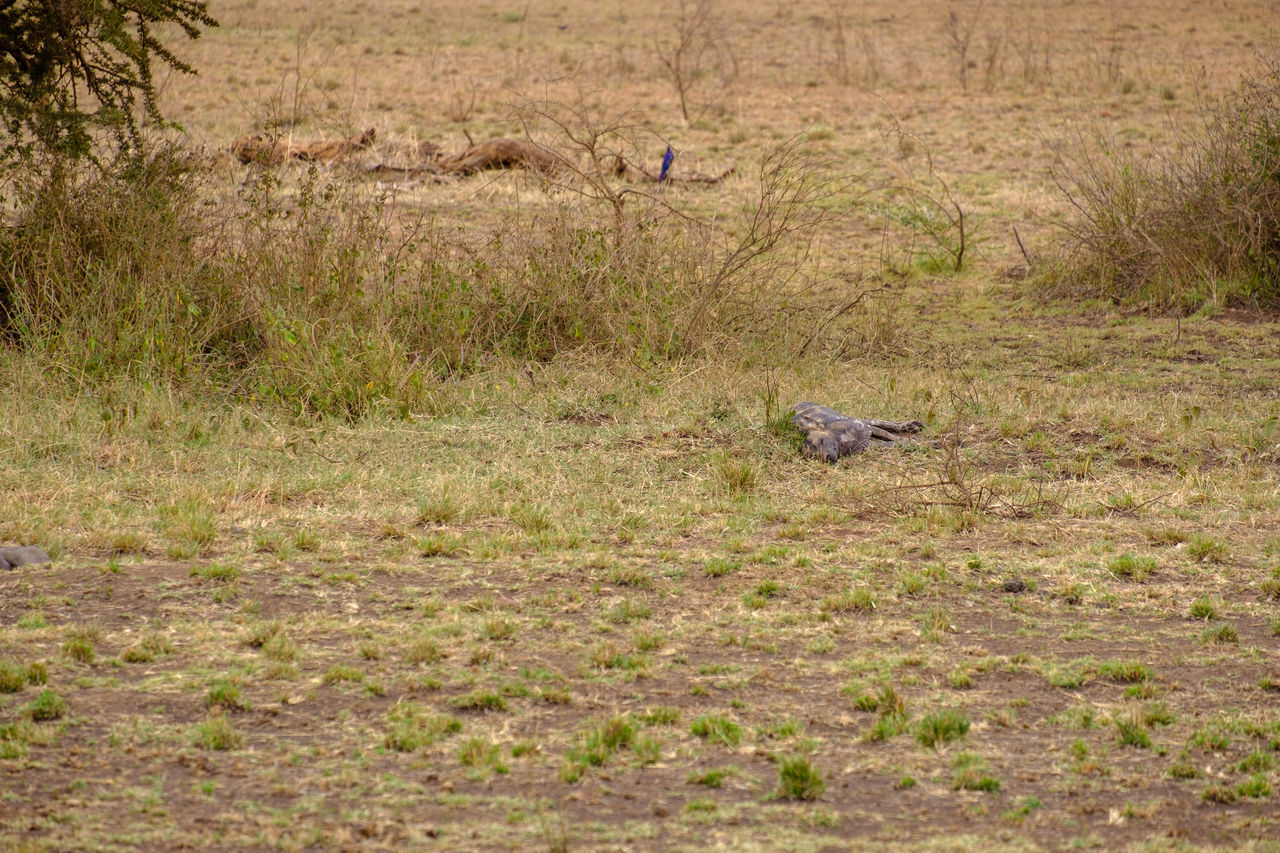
x=331 y=300
x=1194 y=225
x=105 y=271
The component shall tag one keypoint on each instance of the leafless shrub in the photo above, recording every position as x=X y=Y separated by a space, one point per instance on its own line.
x=1031 y=39
x=959 y=32
x=462 y=102
x=1104 y=55
x=923 y=204
x=695 y=44
x=992 y=60
x=844 y=29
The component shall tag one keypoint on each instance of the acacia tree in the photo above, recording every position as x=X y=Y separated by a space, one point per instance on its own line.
x=71 y=67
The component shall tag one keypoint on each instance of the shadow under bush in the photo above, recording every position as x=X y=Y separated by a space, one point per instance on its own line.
x=1198 y=224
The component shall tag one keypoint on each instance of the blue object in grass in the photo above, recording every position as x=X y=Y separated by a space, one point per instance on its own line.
x=666 y=164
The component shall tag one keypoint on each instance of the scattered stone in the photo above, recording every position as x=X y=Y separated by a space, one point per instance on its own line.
x=1015 y=585
x=12 y=556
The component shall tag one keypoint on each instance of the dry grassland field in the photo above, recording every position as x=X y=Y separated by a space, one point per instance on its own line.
x=374 y=576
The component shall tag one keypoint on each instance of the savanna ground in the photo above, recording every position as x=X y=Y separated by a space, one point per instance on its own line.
x=596 y=601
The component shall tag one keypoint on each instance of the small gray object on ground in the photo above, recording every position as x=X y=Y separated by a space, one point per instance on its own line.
x=12 y=556
x=1015 y=585
x=829 y=435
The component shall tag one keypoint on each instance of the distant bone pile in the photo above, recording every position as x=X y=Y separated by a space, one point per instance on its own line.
x=828 y=435
x=503 y=153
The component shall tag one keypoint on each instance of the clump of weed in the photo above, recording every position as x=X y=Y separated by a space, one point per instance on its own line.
x=190 y=526
x=441 y=507
x=482 y=756
x=647 y=641
x=734 y=475
x=126 y=542
x=1071 y=674
x=934 y=730
x=1125 y=671
x=217 y=732
x=1223 y=633
x=225 y=693
x=306 y=540
x=280 y=648
x=661 y=716
x=37 y=673
x=720 y=566
x=32 y=620
x=1131 y=728
x=628 y=610
x=79 y=649
x=497 y=627
x=718 y=728
x=934 y=623
x=441 y=545
x=632 y=576
x=423 y=649
x=798 y=779
x=859 y=600
x=1203 y=608
x=343 y=674
x=479 y=700
x=1129 y=567
x=1270 y=587
x=1073 y=594
x=260 y=633
x=971 y=773
x=758 y=599
x=597 y=744
x=410 y=726
x=147 y=649
x=912 y=583
x=1256 y=787
x=1023 y=808
x=710 y=778
x=892 y=708
x=607 y=655
x=12 y=677
x=1218 y=792
x=47 y=705
x=223 y=572
x=1205 y=549
x=1257 y=762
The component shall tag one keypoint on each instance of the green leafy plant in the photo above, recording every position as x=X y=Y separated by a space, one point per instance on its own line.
x=56 y=53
